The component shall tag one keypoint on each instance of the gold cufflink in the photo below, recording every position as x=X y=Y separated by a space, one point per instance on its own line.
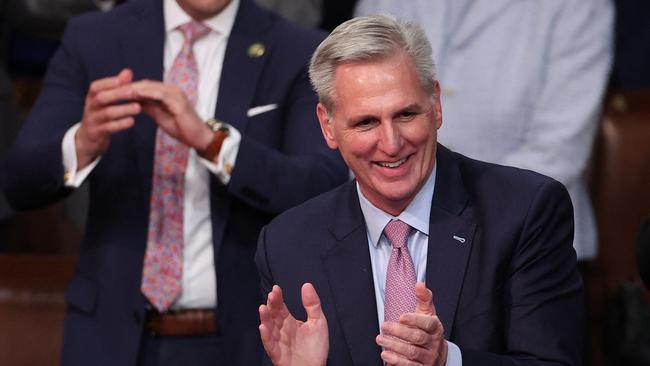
x=256 y=50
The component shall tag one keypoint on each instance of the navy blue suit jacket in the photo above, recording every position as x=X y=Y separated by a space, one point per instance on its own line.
x=282 y=161
x=509 y=294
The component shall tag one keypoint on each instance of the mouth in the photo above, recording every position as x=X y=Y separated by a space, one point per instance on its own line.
x=393 y=164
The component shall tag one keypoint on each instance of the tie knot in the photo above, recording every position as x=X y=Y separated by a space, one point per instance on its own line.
x=397 y=233
x=193 y=30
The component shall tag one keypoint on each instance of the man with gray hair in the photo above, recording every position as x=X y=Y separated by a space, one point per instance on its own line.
x=428 y=257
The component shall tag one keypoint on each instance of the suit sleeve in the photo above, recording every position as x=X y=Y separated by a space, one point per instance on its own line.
x=273 y=180
x=265 y=277
x=34 y=167
x=262 y=265
x=544 y=300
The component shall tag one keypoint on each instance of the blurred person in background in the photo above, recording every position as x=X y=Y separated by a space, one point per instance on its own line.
x=193 y=121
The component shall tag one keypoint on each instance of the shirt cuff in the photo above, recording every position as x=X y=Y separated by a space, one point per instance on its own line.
x=227 y=157
x=454 y=358
x=73 y=178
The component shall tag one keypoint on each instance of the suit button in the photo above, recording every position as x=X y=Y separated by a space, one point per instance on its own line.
x=137 y=317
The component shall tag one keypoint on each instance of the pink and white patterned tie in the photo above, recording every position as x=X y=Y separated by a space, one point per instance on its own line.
x=163 y=260
x=399 y=293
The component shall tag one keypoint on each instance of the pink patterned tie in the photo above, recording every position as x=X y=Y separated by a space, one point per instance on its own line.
x=163 y=260
x=399 y=294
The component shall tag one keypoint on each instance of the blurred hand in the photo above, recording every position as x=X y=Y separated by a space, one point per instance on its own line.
x=173 y=112
x=290 y=342
x=418 y=337
x=105 y=113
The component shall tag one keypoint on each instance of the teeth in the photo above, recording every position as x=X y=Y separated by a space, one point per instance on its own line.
x=393 y=165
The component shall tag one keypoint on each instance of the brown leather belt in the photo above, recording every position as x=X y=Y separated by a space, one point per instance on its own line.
x=181 y=323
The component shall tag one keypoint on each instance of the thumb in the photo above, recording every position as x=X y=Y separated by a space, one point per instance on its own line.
x=311 y=302
x=424 y=300
x=125 y=76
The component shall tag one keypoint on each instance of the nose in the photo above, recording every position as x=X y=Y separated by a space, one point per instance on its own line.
x=390 y=141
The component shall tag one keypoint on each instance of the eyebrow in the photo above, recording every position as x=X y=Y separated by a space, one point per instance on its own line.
x=413 y=107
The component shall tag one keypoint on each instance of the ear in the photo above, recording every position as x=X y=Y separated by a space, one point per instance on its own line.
x=437 y=106
x=326 y=126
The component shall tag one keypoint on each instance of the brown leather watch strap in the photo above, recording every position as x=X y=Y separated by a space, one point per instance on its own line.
x=214 y=147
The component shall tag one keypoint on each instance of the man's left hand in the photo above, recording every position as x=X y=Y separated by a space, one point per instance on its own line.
x=418 y=337
x=173 y=112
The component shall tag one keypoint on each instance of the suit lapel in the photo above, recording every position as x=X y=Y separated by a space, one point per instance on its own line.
x=450 y=239
x=239 y=76
x=240 y=70
x=142 y=37
x=349 y=275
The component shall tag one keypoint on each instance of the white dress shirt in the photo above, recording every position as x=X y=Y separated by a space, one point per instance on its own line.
x=199 y=275
x=417 y=216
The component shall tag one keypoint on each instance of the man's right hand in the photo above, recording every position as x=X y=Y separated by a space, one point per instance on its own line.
x=107 y=110
x=288 y=341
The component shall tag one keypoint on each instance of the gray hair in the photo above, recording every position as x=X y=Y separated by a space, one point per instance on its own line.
x=369 y=38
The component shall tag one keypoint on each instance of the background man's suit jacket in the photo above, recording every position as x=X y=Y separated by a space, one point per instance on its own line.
x=282 y=161
x=509 y=294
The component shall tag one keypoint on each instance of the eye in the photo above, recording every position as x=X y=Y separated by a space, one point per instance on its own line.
x=365 y=123
x=406 y=115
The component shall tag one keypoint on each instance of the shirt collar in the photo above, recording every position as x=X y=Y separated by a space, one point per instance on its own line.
x=416 y=214
x=221 y=23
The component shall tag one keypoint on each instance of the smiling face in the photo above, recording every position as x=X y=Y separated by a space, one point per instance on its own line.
x=385 y=126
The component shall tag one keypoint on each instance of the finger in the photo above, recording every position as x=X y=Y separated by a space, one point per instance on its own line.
x=311 y=302
x=269 y=342
x=119 y=111
x=112 y=96
x=151 y=89
x=275 y=299
x=394 y=359
x=277 y=307
x=427 y=323
x=407 y=333
x=269 y=325
x=124 y=77
x=403 y=349
x=424 y=300
x=114 y=126
x=171 y=95
x=266 y=324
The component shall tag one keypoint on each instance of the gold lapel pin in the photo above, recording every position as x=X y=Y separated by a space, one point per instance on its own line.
x=256 y=50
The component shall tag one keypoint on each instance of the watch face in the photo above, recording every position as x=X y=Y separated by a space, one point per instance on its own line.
x=214 y=124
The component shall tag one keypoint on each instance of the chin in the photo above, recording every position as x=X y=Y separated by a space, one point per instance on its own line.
x=398 y=195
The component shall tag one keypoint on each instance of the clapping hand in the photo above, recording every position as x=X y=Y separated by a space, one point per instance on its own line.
x=418 y=337
x=288 y=341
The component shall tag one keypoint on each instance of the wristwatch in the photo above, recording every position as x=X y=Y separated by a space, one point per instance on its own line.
x=220 y=131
